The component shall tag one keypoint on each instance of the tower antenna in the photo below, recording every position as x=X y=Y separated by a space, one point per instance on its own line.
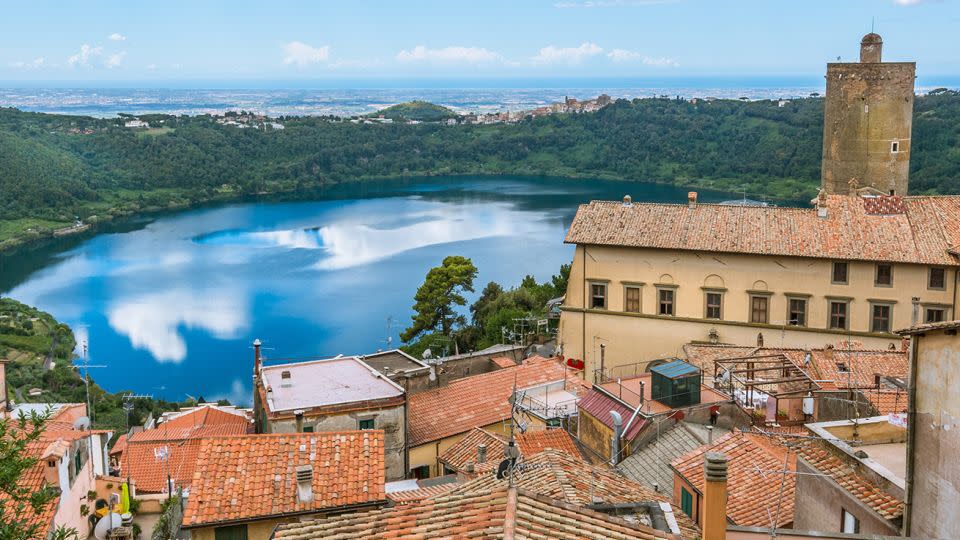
x=873 y=22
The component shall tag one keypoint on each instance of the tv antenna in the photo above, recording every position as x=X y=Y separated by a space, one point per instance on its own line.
x=388 y=340
x=85 y=364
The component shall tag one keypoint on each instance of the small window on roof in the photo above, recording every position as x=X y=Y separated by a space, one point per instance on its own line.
x=285 y=375
x=842 y=367
x=894 y=147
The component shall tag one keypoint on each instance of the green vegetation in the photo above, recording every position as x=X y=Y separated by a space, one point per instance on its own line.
x=416 y=111
x=54 y=168
x=28 y=337
x=494 y=312
x=440 y=295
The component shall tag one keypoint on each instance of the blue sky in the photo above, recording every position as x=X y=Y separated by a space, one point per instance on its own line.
x=92 y=40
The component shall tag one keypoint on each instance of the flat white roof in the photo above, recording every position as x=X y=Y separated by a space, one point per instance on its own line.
x=318 y=383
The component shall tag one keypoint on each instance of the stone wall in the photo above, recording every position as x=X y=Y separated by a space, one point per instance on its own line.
x=820 y=501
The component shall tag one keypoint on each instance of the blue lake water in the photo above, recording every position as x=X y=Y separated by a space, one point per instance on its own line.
x=171 y=303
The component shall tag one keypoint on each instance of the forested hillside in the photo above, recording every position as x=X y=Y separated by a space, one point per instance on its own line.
x=53 y=168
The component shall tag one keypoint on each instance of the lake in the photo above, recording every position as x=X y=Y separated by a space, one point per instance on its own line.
x=171 y=303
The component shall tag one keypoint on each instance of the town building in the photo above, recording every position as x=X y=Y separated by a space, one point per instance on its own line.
x=650 y=465
x=866 y=259
x=481 y=451
x=247 y=485
x=331 y=395
x=546 y=394
x=640 y=407
x=760 y=476
x=850 y=477
x=932 y=476
x=69 y=457
x=162 y=458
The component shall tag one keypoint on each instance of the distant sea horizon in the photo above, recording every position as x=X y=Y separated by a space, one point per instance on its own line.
x=346 y=97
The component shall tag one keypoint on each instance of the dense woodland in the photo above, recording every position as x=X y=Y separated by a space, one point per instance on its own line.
x=55 y=167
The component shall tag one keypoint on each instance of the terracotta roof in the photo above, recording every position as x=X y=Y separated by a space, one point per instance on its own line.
x=477 y=401
x=32 y=480
x=929 y=327
x=529 y=443
x=826 y=461
x=752 y=489
x=483 y=515
x=119 y=446
x=887 y=401
x=503 y=362
x=249 y=477
x=598 y=405
x=424 y=492
x=560 y=476
x=927 y=232
x=172 y=447
x=862 y=364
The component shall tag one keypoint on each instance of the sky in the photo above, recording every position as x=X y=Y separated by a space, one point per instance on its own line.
x=288 y=40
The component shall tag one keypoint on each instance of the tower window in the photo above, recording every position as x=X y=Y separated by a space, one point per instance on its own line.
x=894 y=147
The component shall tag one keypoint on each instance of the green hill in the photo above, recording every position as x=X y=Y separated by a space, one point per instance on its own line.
x=419 y=111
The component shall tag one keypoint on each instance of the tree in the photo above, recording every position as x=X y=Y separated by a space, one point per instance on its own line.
x=19 y=504
x=439 y=296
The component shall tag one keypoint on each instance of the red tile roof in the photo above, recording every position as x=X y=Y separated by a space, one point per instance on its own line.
x=887 y=401
x=31 y=481
x=529 y=443
x=598 y=405
x=249 y=477
x=477 y=401
x=424 y=492
x=493 y=514
x=826 y=461
x=119 y=446
x=535 y=441
x=503 y=362
x=927 y=232
x=560 y=476
x=171 y=448
x=929 y=327
x=753 y=480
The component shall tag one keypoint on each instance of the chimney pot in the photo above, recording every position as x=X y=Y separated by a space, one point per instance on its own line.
x=481 y=453
x=692 y=199
x=759 y=339
x=304 y=483
x=627 y=200
x=715 y=467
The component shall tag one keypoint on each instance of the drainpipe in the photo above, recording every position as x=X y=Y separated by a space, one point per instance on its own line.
x=583 y=313
x=916 y=311
x=603 y=363
x=911 y=435
x=617 y=433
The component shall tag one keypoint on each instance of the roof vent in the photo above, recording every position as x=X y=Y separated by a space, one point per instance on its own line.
x=285 y=381
x=627 y=200
x=481 y=453
x=304 y=483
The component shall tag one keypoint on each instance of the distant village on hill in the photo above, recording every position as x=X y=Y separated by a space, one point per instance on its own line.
x=711 y=371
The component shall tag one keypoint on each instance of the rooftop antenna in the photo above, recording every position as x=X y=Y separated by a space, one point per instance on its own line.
x=85 y=364
x=873 y=21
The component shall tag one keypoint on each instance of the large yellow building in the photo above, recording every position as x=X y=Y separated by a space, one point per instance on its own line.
x=647 y=278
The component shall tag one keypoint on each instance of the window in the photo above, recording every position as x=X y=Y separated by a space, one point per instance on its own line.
x=598 y=295
x=839 y=273
x=308 y=429
x=848 y=522
x=665 y=301
x=365 y=424
x=631 y=301
x=880 y=317
x=421 y=472
x=838 y=315
x=759 y=309
x=232 y=532
x=894 y=147
x=797 y=312
x=884 y=277
x=842 y=368
x=686 y=502
x=714 y=303
x=934 y=315
x=938 y=279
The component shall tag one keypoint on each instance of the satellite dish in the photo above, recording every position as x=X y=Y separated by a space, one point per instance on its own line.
x=106 y=523
x=82 y=423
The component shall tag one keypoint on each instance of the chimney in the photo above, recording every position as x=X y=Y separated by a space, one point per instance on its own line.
x=915 y=318
x=642 y=385
x=692 y=199
x=627 y=200
x=615 y=441
x=256 y=357
x=304 y=484
x=481 y=453
x=759 y=339
x=298 y=414
x=709 y=434
x=715 y=496
x=876 y=380
x=821 y=203
x=51 y=471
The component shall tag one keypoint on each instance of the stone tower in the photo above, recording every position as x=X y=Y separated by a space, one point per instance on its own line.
x=868 y=117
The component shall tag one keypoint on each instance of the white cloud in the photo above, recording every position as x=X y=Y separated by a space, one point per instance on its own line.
x=36 y=63
x=83 y=57
x=117 y=37
x=114 y=60
x=617 y=3
x=151 y=67
x=623 y=55
x=567 y=55
x=301 y=54
x=470 y=55
x=908 y=2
